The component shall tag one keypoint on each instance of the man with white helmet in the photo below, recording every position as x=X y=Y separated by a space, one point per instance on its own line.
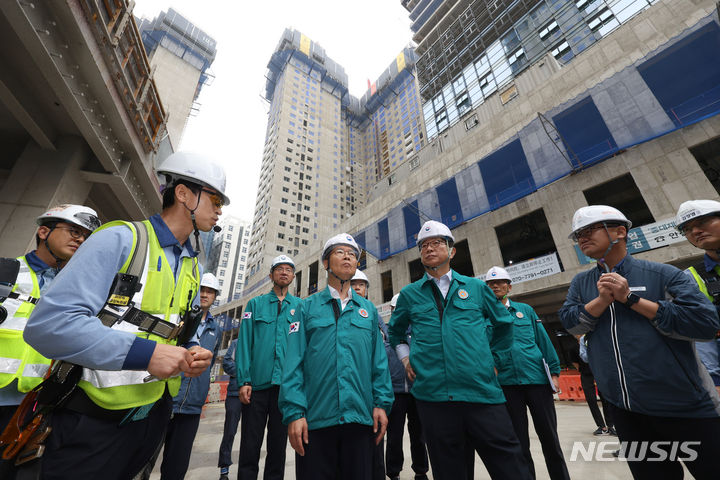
x=260 y=358
x=336 y=386
x=189 y=401
x=121 y=311
x=640 y=319
x=699 y=221
x=460 y=402
x=61 y=231
x=523 y=371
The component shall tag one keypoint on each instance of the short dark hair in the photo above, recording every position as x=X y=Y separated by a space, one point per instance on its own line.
x=168 y=195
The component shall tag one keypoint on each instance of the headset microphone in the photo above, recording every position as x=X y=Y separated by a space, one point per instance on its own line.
x=217 y=228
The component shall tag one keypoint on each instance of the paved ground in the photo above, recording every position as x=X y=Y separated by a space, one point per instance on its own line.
x=574 y=425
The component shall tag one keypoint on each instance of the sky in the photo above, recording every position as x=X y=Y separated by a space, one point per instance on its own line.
x=364 y=36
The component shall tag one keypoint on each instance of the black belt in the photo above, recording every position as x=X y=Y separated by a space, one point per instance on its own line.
x=144 y=321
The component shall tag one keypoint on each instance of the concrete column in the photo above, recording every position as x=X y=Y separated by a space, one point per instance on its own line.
x=39 y=179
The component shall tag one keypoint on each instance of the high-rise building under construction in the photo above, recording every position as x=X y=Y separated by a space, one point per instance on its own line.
x=324 y=148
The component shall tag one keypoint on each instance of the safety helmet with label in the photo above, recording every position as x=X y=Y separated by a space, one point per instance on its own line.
x=592 y=214
x=497 y=273
x=433 y=228
x=194 y=168
x=282 y=260
x=79 y=215
x=337 y=240
x=360 y=275
x=393 y=301
x=693 y=209
x=209 y=280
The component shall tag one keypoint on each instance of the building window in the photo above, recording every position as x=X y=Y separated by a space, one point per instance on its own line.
x=279 y=248
x=603 y=17
x=525 y=237
x=623 y=194
x=387 y=287
x=416 y=270
x=561 y=49
x=548 y=29
x=313 y=278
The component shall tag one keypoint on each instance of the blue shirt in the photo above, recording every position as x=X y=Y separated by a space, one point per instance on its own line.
x=64 y=325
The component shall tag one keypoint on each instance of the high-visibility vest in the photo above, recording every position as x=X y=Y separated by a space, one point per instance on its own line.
x=18 y=360
x=701 y=283
x=159 y=296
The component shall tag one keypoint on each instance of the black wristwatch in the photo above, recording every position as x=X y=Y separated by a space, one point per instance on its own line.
x=632 y=299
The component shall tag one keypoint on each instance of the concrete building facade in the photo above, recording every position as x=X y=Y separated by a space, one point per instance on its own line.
x=181 y=55
x=643 y=99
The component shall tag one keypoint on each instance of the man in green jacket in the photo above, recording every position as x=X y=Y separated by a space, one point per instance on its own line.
x=525 y=371
x=336 y=386
x=260 y=357
x=458 y=397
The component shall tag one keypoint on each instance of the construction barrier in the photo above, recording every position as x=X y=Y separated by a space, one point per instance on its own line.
x=570 y=388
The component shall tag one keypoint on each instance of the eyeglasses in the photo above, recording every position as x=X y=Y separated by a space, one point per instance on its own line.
x=340 y=253
x=588 y=231
x=75 y=233
x=283 y=269
x=700 y=222
x=432 y=243
x=215 y=198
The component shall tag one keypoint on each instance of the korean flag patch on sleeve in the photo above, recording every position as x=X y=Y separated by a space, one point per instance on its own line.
x=294 y=327
x=247 y=315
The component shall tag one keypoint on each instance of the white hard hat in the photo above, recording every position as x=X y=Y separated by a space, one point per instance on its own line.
x=209 y=280
x=340 y=239
x=195 y=168
x=587 y=216
x=693 y=209
x=79 y=215
x=431 y=229
x=281 y=260
x=393 y=301
x=497 y=273
x=360 y=275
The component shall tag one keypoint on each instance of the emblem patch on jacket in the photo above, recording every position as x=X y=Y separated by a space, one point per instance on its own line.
x=363 y=313
x=294 y=327
x=463 y=294
x=247 y=315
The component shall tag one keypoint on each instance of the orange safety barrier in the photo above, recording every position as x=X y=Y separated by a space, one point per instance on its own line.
x=570 y=388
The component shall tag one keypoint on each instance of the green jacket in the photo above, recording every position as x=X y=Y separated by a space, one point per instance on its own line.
x=336 y=372
x=452 y=357
x=262 y=340
x=522 y=362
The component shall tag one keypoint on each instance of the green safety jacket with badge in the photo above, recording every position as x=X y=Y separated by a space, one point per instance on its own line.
x=160 y=296
x=262 y=340
x=18 y=360
x=450 y=350
x=336 y=368
x=522 y=363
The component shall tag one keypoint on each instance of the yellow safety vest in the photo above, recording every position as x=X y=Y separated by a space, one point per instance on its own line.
x=159 y=296
x=18 y=360
x=701 y=283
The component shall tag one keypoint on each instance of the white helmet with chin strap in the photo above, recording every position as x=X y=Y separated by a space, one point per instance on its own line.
x=360 y=275
x=435 y=229
x=79 y=215
x=394 y=299
x=282 y=260
x=586 y=216
x=194 y=168
x=341 y=239
x=210 y=281
x=497 y=273
x=693 y=209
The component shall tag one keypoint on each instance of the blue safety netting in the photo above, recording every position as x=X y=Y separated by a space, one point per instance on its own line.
x=675 y=86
